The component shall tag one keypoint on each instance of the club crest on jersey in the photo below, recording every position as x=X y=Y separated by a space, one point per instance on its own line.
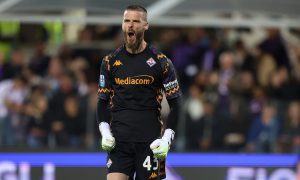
x=109 y=162
x=151 y=62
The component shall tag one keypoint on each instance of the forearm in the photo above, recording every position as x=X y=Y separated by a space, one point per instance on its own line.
x=160 y=147
x=172 y=120
x=103 y=119
x=103 y=111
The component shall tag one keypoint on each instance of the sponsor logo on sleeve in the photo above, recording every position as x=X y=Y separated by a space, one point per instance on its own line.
x=102 y=81
x=171 y=85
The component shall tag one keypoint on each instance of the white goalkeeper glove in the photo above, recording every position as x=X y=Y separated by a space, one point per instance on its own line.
x=160 y=147
x=108 y=141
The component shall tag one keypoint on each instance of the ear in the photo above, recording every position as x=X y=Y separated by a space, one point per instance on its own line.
x=146 y=27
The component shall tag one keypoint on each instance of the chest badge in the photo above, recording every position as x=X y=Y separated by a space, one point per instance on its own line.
x=151 y=62
x=117 y=63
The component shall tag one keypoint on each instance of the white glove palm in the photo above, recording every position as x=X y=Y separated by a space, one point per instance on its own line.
x=160 y=147
x=108 y=141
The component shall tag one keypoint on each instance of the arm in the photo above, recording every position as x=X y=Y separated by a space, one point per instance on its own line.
x=103 y=112
x=160 y=147
x=173 y=94
x=172 y=119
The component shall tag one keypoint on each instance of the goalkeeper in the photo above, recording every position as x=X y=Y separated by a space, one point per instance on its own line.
x=131 y=85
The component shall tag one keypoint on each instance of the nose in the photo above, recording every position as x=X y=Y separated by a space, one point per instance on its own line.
x=130 y=24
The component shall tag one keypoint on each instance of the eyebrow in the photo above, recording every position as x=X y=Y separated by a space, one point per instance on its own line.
x=135 y=20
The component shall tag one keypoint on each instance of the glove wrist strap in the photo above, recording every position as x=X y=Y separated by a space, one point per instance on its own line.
x=168 y=135
x=105 y=129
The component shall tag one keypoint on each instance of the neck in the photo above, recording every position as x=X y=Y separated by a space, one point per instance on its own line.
x=141 y=47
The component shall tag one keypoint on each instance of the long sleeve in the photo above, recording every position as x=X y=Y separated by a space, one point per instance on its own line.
x=103 y=111
x=172 y=120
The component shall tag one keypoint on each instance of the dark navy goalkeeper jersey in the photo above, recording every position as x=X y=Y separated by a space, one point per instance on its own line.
x=134 y=84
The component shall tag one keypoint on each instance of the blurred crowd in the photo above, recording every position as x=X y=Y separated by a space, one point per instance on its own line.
x=241 y=88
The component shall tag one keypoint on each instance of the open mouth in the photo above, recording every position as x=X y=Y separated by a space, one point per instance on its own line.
x=131 y=34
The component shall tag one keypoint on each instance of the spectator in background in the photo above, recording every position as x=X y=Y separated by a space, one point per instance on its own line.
x=64 y=54
x=226 y=73
x=283 y=89
x=104 y=32
x=211 y=87
x=241 y=86
x=73 y=122
x=211 y=55
x=200 y=121
x=275 y=46
x=2 y=65
x=194 y=112
x=54 y=72
x=264 y=69
x=37 y=112
x=282 y=86
x=33 y=79
x=264 y=130
x=212 y=129
x=296 y=66
x=205 y=127
x=82 y=82
x=235 y=131
x=56 y=107
x=40 y=61
x=90 y=105
x=13 y=93
x=187 y=55
x=5 y=87
x=258 y=98
x=65 y=89
x=290 y=138
x=205 y=130
x=86 y=35
x=243 y=60
x=86 y=50
x=80 y=68
x=14 y=66
x=166 y=40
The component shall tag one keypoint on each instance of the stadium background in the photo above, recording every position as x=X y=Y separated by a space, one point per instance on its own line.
x=238 y=63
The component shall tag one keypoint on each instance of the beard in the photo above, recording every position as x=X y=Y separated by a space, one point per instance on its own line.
x=134 y=45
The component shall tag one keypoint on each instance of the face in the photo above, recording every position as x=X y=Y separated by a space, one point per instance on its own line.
x=294 y=111
x=268 y=113
x=134 y=25
x=226 y=61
